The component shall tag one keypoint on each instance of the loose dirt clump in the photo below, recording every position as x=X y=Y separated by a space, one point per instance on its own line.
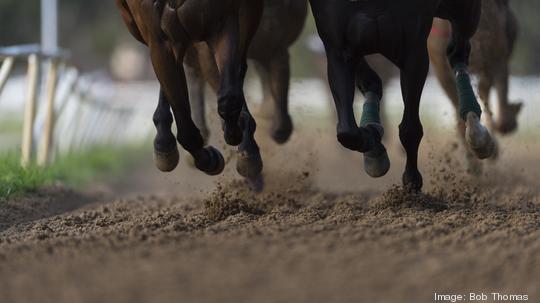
x=230 y=200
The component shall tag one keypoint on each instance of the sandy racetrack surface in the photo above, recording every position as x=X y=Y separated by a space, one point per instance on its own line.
x=321 y=232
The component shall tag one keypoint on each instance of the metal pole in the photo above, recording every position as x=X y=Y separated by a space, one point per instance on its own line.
x=49 y=26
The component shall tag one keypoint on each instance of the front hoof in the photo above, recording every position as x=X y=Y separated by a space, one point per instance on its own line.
x=166 y=161
x=282 y=131
x=233 y=135
x=478 y=137
x=413 y=180
x=376 y=162
x=249 y=165
x=215 y=162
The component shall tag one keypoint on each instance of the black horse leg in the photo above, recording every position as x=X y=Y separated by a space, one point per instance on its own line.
x=342 y=79
x=413 y=77
x=165 y=149
x=367 y=138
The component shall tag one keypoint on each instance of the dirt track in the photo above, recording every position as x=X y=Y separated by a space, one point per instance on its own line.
x=321 y=232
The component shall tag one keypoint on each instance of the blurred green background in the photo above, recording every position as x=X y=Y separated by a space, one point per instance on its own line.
x=92 y=29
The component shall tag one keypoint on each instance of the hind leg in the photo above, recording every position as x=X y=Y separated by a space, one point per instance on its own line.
x=464 y=17
x=507 y=121
x=266 y=110
x=279 y=75
x=376 y=162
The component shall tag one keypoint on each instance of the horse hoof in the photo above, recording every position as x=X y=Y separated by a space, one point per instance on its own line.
x=478 y=137
x=376 y=162
x=256 y=184
x=281 y=132
x=413 y=181
x=249 y=165
x=166 y=161
x=216 y=162
x=233 y=135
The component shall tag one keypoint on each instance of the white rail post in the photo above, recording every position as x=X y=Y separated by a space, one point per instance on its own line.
x=30 y=111
x=7 y=65
x=47 y=136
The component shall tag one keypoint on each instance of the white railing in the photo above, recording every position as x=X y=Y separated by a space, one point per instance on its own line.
x=73 y=118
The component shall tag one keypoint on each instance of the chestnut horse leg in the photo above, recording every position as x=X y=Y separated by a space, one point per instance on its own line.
x=278 y=74
x=172 y=77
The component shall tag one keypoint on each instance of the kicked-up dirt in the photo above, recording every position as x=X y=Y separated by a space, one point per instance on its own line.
x=321 y=232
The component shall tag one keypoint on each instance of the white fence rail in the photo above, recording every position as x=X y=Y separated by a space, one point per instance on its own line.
x=71 y=117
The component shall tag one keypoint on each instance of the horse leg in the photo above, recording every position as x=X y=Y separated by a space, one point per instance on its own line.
x=464 y=20
x=266 y=109
x=413 y=77
x=166 y=155
x=197 y=100
x=376 y=162
x=365 y=139
x=230 y=49
x=171 y=75
x=508 y=112
x=280 y=76
x=484 y=92
x=341 y=78
x=232 y=68
x=249 y=162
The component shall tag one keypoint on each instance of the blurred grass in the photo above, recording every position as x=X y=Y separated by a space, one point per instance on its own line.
x=73 y=170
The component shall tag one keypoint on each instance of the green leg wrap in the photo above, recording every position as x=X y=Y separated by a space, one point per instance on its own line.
x=467 y=100
x=370 y=111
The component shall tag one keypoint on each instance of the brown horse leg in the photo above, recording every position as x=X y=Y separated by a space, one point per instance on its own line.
x=197 y=100
x=173 y=82
x=508 y=112
x=239 y=127
x=232 y=68
x=280 y=76
x=266 y=110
